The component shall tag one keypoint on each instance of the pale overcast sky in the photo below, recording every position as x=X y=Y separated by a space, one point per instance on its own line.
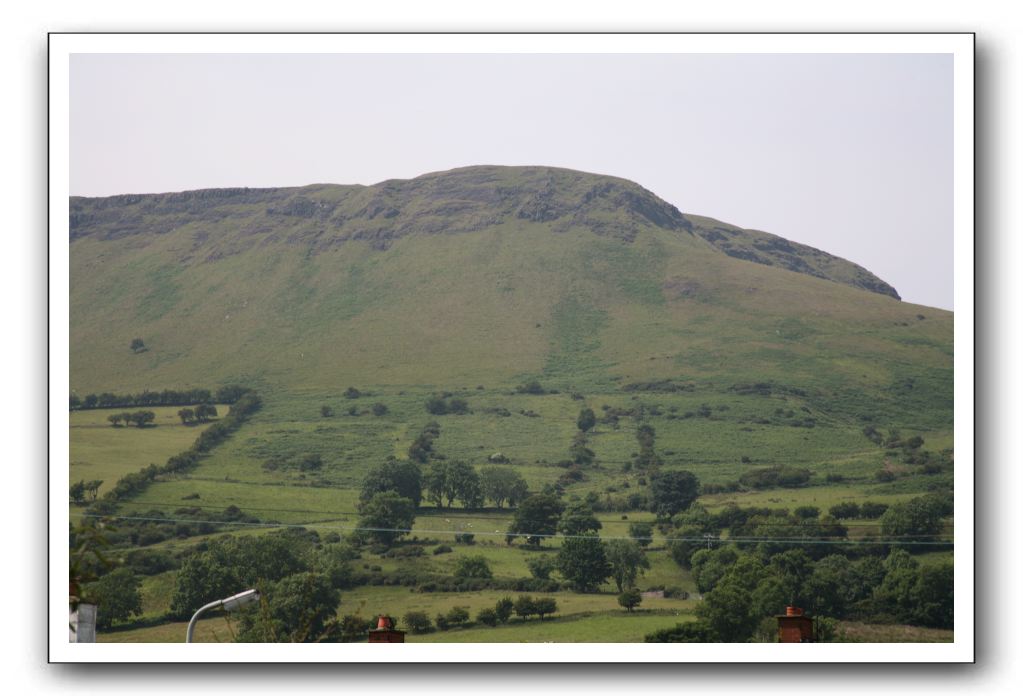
x=848 y=153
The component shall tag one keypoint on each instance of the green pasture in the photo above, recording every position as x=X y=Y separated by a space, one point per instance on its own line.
x=100 y=451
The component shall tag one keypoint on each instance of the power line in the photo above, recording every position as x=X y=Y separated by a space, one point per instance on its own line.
x=701 y=540
x=477 y=516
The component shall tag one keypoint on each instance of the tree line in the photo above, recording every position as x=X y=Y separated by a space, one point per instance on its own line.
x=168 y=397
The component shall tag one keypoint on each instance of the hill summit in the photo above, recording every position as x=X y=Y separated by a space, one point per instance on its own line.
x=478 y=275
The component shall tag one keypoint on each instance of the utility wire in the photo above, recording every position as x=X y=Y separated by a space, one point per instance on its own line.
x=701 y=539
x=471 y=516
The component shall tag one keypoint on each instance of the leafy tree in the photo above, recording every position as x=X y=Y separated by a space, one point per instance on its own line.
x=807 y=512
x=684 y=542
x=137 y=345
x=537 y=517
x=583 y=562
x=545 y=606
x=326 y=411
x=627 y=560
x=204 y=412
x=642 y=533
x=473 y=567
x=578 y=518
x=186 y=415
x=117 y=597
x=230 y=563
x=487 y=616
x=673 y=491
x=115 y=419
x=933 y=596
x=457 y=616
x=710 y=565
x=300 y=608
x=386 y=517
x=504 y=608
x=831 y=587
x=919 y=518
x=541 y=566
x=728 y=612
x=417 y=622
x=501 y=484
x=524 y=607
x=630 y=599
x=587 y=419
x=76 y=492
x=142 y=418
x=402 y=477
x=454 y=480
x=792 y=568
x=770 y=597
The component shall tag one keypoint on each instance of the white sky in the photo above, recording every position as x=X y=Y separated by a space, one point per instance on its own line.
x=848 y=153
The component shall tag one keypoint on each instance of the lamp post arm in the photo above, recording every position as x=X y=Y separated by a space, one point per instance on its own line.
x=195 y=617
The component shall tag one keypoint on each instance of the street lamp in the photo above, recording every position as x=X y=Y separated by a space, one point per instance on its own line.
x=230 y=604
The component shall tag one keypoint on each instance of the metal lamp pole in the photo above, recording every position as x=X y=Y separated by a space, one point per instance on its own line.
x=230 y=604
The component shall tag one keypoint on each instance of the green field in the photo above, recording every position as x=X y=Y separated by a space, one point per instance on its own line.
x=100 y=451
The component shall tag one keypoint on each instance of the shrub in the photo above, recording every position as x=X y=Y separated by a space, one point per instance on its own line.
x=844 y=511
x=457 y=616
x=443 y=548
x=487 y=617
x=504 y=608
x=379 y=410
x=884 y=475
x=465 y=538
x=473 y=567
x=417 y=622
x=530 y=387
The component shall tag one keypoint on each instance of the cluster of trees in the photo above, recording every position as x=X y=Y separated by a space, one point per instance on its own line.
x=139 y=419
x=117 y=596
x=84 y=491
x=583 y=559
x=524 y=606
x=746 y=588
x=867 y=510
x=200 y=414
x=167 y=397
x=299 y=579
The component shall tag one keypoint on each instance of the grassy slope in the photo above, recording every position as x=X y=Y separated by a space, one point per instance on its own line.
x=222 y=300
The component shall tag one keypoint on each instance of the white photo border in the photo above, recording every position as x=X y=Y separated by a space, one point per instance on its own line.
x=960 y=45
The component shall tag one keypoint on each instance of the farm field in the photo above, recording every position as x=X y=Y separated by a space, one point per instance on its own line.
x=100 y=451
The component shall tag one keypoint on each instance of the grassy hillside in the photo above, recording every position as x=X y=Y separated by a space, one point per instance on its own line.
x=740 y=349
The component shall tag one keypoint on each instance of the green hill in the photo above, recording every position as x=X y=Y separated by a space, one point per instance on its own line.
x=483 y=274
